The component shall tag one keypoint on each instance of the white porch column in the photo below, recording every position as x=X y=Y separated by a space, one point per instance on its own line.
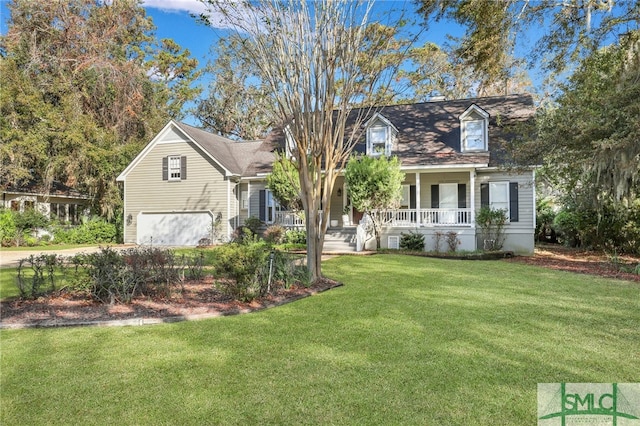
x=248 y=198
x=228 y=218
x=418 y=215
x=472 y=184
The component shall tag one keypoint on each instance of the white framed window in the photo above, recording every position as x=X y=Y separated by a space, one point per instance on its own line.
x=272 y=206
x=378 y=141
x=175 y=167
x=499 y=196
x=244 y=200
x=474 y=138
x=474 y=129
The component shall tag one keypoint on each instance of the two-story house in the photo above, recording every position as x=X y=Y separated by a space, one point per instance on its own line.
x=187 y=181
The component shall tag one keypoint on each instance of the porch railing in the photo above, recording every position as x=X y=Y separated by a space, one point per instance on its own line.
x=289 y=219
x=428 y=217
x=436 y=217
x=399 y=218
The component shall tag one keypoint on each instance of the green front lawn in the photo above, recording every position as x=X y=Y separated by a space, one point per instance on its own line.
x=407 y=340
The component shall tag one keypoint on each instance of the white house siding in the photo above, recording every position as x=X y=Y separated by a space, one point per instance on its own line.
x=243 y=213
x=254 y=197
x=466 y=236
x=204 y=190
x=519 y=236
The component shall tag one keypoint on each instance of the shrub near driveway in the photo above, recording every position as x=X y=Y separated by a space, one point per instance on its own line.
x=407 y=340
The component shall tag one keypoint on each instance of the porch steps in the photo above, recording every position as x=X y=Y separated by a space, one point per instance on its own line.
x=338 y=240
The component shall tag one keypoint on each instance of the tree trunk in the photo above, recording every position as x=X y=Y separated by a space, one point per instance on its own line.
x=314 y=244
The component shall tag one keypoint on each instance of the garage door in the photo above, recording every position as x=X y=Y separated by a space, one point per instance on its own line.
x=173 y=229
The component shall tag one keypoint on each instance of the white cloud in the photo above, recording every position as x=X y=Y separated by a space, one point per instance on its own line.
x=191 y=6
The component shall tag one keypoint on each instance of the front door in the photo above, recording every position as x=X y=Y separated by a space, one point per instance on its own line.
x=448 y=202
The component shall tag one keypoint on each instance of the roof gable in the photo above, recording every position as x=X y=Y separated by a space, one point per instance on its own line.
x=474 y=110
x=232 y=156
x=379 y=118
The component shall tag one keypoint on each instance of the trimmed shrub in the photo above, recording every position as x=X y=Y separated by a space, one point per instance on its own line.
x=491 y=223
x=30 y=219
x=93 y=231
x=244 y=235
x=242 y=267
x=412 y=241
x=295 y=236
x=274 y=234
x=120 y=276
x=253 y=223
x=249 y=271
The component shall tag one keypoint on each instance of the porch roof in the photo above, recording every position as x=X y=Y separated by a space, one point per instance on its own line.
x=56 y=189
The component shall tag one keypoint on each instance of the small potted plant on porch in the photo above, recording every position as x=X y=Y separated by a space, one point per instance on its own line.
x=345 y=215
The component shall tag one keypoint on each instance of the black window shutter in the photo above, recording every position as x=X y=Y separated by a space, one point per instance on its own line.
x=165 y=168
x=263 y=205
x=462 y=195
x=183 y=168
x=484 y=195
x=513 y=201
x=435 y=196
x=412 y=197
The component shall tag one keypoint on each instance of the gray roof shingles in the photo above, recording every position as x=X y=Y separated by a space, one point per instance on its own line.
x=428 y=135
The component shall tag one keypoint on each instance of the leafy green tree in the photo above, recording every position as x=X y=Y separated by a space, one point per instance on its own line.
x=85 y=85
x=285 y=184
x=595 y=124
x=588 y=145
x=374 y=185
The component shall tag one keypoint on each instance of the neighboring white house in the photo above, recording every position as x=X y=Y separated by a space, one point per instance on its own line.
x=57 y=201
x=188 y=182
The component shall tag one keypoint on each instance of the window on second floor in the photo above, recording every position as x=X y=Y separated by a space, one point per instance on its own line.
x=378 y=141
x=380 y=136
x=473 y=129
x=174 y=167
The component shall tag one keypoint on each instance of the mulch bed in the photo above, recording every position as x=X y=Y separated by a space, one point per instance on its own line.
x=202 y=300
x=198 y=300
x=582 y=262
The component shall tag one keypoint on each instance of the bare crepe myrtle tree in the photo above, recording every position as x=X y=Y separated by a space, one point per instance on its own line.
x=309 y=53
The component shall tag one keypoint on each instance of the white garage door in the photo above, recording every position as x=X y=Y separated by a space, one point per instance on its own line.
x=173 y=229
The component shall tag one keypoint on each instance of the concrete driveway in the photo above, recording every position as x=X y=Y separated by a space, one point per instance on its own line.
x=9 y=258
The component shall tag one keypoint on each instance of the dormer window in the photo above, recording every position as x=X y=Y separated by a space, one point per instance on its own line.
x=380 y=136
x=473 y=129
x=378 y=141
